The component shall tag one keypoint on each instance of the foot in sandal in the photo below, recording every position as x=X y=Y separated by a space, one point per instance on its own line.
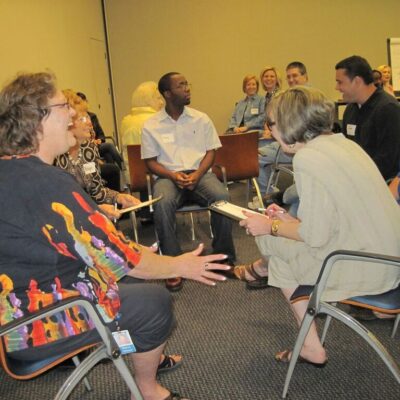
x=252 y=275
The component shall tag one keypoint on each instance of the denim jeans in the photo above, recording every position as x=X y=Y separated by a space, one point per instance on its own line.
x=266 y=157
x=208 y=190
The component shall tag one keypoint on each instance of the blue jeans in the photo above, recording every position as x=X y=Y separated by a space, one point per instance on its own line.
x=266 y=157
x=208 y=190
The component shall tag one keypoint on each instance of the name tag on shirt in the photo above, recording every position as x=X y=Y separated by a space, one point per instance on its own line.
x=254 y=111
x=351 y=129
x=89 y=168
x=168 y=138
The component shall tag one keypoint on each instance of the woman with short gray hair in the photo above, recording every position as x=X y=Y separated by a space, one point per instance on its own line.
x=344 y=204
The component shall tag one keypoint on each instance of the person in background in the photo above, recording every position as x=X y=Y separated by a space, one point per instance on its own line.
x=372 y=117
x=377 y=77
x=249 y=113
x=296 y=74
x=55 y=243
x=107 y=151
x=344 y=204
x=82 y=161
x=146 y=101
x=271 y=82
x=386 y=72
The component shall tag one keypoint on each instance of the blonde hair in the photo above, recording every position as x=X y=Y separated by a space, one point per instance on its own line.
x=75 y=102
x=248 y=78
x=147 y=95
x=382 y=67
x=277 y=74
x=301 y=113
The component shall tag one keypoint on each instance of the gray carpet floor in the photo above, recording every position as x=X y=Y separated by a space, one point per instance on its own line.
x=228 y=337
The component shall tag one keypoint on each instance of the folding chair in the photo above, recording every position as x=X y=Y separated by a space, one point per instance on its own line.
x=388 y=302
x=107 y=349
x=140 y=181
x=237 y=160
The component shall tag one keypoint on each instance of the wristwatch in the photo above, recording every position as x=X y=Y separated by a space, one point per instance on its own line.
x=275 y=227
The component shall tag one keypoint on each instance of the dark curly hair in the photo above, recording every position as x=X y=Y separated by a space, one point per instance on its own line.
x=22 y=108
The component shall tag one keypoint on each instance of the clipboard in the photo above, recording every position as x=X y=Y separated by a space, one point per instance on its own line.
x=141 y=205
x=230 y=210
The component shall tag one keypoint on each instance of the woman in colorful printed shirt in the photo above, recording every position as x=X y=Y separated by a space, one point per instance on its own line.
x=55 y=243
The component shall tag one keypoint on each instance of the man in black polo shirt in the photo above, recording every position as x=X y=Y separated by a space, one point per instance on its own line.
x=372 y=119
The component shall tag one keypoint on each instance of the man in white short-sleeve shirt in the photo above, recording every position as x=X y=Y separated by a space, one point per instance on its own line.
x=178 y=146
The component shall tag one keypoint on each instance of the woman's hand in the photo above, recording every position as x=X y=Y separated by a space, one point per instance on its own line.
x=198 y=268
x=110 y=211
x=240 y=129
x=126 y=200
x=256 y=224
x=275 y=212
x=266 y=134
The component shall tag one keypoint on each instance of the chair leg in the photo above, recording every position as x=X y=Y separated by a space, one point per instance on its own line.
x=209 y=224
x=134 y=226
x=304 y=328
x=255 y=184
x=367 y=335
x=192 y=228
x=127 y=377
x=395 y=326
x=85 y=380
x=326 y=326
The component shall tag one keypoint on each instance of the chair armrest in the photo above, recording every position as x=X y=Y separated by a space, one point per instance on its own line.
x=62 y=305
x=346 y=255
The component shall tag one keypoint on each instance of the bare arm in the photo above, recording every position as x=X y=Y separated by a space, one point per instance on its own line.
x=259 y=224
x=394 y=187
x=189 y=265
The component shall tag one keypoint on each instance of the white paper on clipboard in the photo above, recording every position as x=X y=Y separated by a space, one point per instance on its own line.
x=230 y=210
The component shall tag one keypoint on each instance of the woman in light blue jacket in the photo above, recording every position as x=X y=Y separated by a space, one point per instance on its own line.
x=249 y=113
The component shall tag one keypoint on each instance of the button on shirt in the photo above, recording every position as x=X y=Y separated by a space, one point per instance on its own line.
x=179 y=145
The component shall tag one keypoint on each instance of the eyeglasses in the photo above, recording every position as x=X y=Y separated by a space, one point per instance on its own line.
x=61 y=105
x=269 y=123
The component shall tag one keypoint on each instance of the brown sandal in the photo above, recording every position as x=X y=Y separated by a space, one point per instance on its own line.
x=259 y=282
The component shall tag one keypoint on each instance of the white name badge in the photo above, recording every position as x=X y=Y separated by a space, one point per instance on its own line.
x=124 y=342
x=351 y=129
x=89 y=168
x=254 y=111
x=168 y=138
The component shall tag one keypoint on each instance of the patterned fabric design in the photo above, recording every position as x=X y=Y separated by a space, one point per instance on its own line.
x=91 y=182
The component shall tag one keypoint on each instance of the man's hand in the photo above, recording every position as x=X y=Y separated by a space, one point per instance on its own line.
x=194 y=178
x=181 y=179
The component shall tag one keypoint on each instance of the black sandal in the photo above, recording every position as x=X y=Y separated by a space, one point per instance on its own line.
x=168 y=364
x=259 y=282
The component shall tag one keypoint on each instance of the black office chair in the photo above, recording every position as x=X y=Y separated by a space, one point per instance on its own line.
x=107 y=349
x=388 y=302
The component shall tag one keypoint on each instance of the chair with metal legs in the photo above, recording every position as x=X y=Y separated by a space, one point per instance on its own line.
x=140 y=181
x=107 y=349
x=388 y=303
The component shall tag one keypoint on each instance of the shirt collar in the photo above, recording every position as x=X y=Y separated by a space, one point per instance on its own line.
x=187 y=112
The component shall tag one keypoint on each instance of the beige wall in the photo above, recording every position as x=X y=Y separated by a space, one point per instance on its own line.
x=54 y=34
x=216 y=42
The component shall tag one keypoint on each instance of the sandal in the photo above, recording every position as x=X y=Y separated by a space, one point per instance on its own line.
x=259 y=282
x=168 y=364
x=285 y=356
x=175 y=396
